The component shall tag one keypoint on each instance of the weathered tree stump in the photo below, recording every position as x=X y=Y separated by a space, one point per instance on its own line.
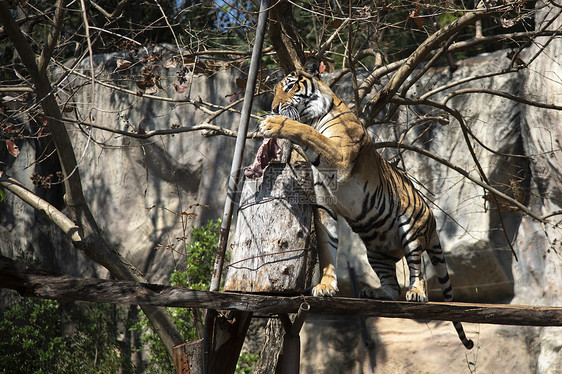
x=273 y=246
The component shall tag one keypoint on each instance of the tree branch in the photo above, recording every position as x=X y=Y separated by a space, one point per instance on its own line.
x=53 y=37
x=54 y=215
x=462 y=172
x=207 y=130
x=382 y=97
x=285 y=38
x=374 y=77
x=507 y=95
x=92 y=243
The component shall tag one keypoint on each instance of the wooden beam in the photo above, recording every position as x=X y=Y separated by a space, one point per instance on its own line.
x=33 y=283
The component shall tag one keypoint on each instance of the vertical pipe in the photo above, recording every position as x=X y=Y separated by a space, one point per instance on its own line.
x=235 y=174
x=240 y=144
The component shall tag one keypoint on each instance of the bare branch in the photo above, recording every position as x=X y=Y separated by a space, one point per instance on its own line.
x=462 y=172
x=207 y=130
x=53 y=37
x=90 y=49
x=466 y=80
x=329 y=41
x=284 y=37
x=119 y=8
x=507 y=95
x=375 y=76
x=382 y=97
x=54 y=215
x=16 y=89
x=92 y=243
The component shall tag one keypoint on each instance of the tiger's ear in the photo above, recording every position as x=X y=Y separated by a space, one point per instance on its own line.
x=313 y=66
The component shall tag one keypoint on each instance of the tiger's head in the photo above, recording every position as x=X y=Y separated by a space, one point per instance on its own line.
x=302 y=97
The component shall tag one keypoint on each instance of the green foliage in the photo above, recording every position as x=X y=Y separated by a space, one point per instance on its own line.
x=246 y=362
x=45 y=336
x=195 y=273
x=201 y=255
x=33 y=340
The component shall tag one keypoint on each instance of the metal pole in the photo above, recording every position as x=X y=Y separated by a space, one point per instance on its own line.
x=240 y=144
x=235 y=172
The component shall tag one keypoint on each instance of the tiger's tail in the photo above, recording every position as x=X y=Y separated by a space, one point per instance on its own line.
x=438 y=261
x=468 y=343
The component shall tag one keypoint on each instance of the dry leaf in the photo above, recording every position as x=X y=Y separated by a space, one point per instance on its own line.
x=241 y=82
x=151 y=90
x=233 y=97
x=13 y=148
x=507 y=23
x=122 y=64
x=171 y=64
x=335 y=23
x=414 y=15
x=180 y=88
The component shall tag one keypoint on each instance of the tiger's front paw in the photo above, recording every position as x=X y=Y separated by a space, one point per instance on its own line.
x=328 y=285
x=324 y=290
x=271 y=126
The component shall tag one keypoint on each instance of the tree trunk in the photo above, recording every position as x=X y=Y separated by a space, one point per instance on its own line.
x=272 y=251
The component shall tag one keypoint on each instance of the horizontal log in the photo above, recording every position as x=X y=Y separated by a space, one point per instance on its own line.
x=33 y=283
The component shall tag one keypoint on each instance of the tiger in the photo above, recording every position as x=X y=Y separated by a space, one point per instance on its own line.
x=352 y=180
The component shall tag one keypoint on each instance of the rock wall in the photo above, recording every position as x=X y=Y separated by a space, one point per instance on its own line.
x=136 y=189
x=133 y=186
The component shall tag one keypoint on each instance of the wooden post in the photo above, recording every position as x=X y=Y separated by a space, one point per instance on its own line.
x=229 y=332
x=270 y=354
x=188 y=357
x=272 y=251
x=291 y=341
x=212 y=317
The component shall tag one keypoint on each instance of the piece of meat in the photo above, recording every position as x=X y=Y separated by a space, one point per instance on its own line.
x=269 y=151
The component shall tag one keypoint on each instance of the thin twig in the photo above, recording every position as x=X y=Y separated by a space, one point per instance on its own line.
x=462 y=172
x=464 y=91
x=90 y=49
x=207 y=130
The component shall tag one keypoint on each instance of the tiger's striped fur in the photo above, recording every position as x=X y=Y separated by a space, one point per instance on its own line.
x=378 y=201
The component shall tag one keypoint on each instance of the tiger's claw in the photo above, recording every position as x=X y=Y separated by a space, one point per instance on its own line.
x=323 y=290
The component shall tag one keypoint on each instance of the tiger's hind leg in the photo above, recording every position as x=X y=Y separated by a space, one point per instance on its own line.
x=326 y=234
x=385 y=267
x=437 y=258
x=413 y=244
x=416 y=292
